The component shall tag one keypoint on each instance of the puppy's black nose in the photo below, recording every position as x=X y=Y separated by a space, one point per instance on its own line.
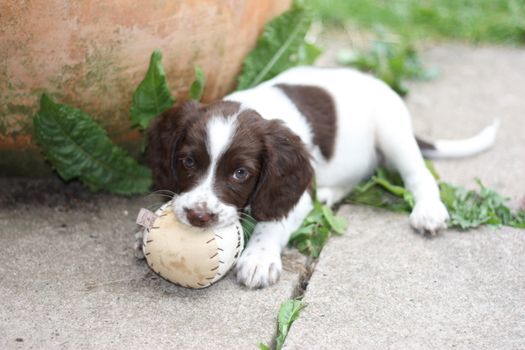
x=200 y=218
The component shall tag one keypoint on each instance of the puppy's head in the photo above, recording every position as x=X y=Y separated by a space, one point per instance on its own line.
x=222 y=158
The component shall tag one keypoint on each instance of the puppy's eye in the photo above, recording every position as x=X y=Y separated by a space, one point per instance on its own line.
x=240 y=174
x=188 y=162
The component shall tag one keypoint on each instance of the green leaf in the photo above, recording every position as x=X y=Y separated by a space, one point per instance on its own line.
x=387 y=185
x=152 y=96
x=248 y=225
x=288 y=313
x=432 y=169
x=308 y=53
x=384 y=190
x=303 y=232
x=336 y=224
x=77 y=147
x=316 y=228
x=277 y=49
x=197 y=88
x=263 y=346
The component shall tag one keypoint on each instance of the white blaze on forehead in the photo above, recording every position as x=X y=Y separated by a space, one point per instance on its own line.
x=220 y=131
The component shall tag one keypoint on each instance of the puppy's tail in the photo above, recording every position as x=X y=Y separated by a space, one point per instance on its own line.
x=460 y=148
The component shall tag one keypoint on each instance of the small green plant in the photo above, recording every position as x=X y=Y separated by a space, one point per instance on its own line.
x=197 y=88
x=288 y=312
x=383 y=190
x=470 y=209
x=393 y=63
x=315 y=230
x=467 y=208
x=77 y=147
x=152 y=96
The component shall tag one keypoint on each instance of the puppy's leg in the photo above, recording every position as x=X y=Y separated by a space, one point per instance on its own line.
x=397 y=143
x=260 y=263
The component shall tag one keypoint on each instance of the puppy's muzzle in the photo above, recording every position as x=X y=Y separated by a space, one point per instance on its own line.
x=200 y=217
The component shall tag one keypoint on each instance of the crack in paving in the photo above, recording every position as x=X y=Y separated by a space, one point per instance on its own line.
x=304 y=278
x=305 y=270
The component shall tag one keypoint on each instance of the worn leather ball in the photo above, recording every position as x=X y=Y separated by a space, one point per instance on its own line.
x=190 y=256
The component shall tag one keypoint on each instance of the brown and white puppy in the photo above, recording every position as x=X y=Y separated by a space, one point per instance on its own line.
x=259 y=149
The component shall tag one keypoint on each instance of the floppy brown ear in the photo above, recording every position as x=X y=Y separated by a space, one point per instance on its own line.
x=286 y=173
x=163 y=136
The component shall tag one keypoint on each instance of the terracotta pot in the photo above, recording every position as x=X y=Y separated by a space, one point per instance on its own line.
x=92 y=55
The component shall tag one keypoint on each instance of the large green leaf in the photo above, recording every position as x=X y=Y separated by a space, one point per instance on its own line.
x=77 y=147
x=152 y=96
x=281 y=46
x=288 y=313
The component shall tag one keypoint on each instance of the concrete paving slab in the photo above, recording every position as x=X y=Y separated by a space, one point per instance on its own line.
x=68 y=279
x=383 y=287
x=476 y=86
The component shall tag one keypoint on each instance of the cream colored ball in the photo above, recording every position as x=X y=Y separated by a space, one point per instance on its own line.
x=190 y=256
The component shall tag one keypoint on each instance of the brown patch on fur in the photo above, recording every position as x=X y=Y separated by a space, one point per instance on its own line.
x=164 y=134
x=245 y=151
x=285 y=174
x=319 y=109
x=277 y=162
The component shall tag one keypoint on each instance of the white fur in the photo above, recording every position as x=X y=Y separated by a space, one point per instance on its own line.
x=465 y=147
x=260 y=263
x=220 y=132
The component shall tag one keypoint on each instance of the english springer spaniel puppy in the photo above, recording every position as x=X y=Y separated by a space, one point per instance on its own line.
x=260 y=150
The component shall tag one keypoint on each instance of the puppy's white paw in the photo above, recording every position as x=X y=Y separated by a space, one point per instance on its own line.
x=258 y=268
x=429 y=216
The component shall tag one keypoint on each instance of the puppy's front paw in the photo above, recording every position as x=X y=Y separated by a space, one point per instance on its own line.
x=257 y=268
x=429 y=217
